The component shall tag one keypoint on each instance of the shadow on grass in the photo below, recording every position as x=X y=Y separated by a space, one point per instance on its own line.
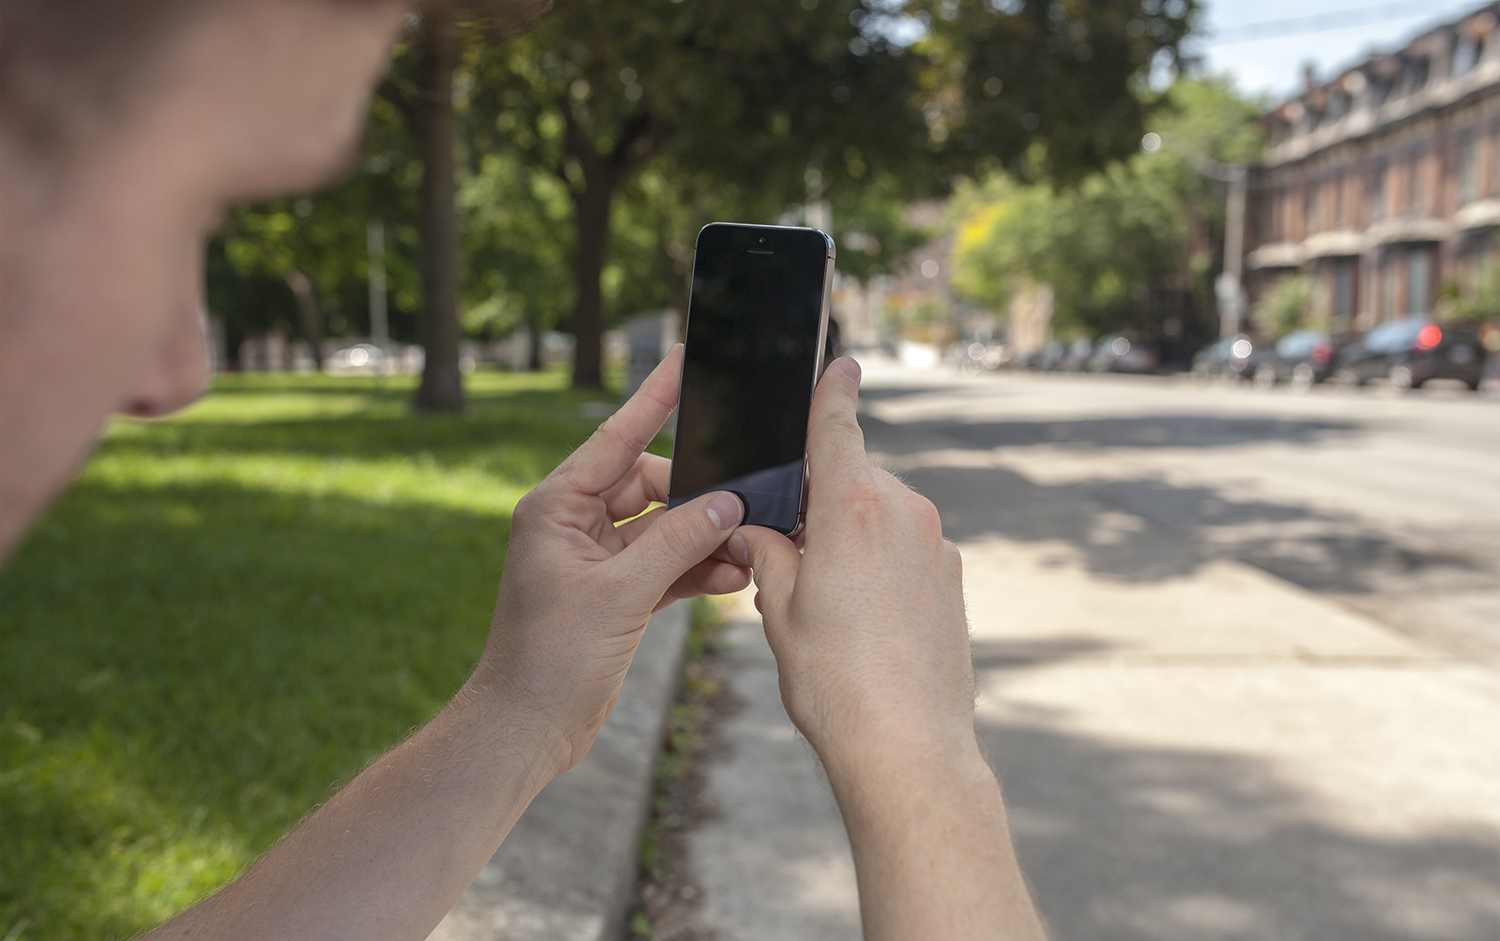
x=226 y=655
x=187 y=666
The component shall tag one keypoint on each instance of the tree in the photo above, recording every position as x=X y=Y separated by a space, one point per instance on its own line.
x=598 y=91
x=1284 y=307
x=1005 y=75
x=768 y=97
x=1129 y=247
x=710 y=109
x=518 y=249
x=420 y=87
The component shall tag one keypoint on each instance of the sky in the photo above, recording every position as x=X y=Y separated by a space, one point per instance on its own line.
x=1331 y=33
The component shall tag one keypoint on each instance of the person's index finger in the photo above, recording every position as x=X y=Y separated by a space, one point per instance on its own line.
x=833 y=432
x=612 y=450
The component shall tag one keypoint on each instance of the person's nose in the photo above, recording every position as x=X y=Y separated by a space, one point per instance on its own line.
x=178 y=372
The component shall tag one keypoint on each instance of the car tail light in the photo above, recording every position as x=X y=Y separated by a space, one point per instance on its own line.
x=1321 y=353
x=1430 y=336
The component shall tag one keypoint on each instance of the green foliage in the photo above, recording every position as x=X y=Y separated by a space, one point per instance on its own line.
x=1483 y=303
x=694 y=112
x=517 y=247
x=795 y=100
x=1115 y=246
x=232 y=612
x=1043 y=89
x=1285 y=307
x=323 y=236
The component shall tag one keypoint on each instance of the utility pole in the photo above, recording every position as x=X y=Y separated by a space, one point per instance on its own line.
x=1229 y=289
x=375 y=245
x=1232 y=314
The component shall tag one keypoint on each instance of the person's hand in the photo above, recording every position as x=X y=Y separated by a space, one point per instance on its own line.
x=868 y=623
x=586 y=568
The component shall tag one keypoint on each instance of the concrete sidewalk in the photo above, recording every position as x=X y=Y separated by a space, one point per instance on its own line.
x=567 y=870
x=1194 y=751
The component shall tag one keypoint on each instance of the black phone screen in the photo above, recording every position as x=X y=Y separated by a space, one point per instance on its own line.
x=754 y=335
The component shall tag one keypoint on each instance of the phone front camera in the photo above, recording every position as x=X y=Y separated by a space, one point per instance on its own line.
x=762 y=240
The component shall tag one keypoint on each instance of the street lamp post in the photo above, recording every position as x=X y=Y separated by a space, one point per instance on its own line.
x=1228 y=287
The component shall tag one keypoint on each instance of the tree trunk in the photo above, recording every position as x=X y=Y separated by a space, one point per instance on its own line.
x=534 y=340
x=441 y=389
x=309 y=312
x=234 y=335
x=591 y=211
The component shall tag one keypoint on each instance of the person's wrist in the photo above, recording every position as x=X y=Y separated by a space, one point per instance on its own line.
x=515 y=722
x=898 y=755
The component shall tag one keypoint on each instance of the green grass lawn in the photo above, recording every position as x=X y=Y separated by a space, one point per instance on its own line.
x=233 y=611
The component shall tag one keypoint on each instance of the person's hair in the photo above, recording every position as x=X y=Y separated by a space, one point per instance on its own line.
x=68 y=67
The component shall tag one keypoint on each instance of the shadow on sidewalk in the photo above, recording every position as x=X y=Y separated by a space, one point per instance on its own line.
x=1143 y=843
x=1156 y=431
x=1144 y=530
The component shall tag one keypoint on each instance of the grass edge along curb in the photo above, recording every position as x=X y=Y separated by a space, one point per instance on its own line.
x=666 y=899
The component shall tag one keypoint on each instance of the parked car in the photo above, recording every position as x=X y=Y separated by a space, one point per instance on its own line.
x=1118 y=354
x=1049 y=358
x=1230 y=359
x=978 y=357
x=1490 y=382
x=1410 y=353
x=1304 y=359
x=1080 y=351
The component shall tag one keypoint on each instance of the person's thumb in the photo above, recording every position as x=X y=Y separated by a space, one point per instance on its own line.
x=773 y=560
x=675 y=542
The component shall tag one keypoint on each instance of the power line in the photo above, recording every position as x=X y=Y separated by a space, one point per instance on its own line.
x=1321 y=22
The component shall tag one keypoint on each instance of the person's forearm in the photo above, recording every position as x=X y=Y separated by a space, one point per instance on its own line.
x=389 y=854
x=932 y=848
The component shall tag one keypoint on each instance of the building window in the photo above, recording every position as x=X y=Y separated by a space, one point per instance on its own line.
x=1343 y=292
x=1494 y=168
x=1377 y=192
x=1468 y=167
x=1415 y=179
x=1388 y=288
x=1416 y=76
x=1418 y=280
x=1312 y=207
x=1338 y=106
x=1339 y=220
x=1465 y=55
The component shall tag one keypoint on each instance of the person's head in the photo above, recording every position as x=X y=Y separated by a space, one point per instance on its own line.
x=126 y=130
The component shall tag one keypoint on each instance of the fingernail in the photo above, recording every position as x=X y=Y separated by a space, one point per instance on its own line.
x=725 y=510
x=738 y=549
x=850 y=368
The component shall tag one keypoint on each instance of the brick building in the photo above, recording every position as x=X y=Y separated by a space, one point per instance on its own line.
x=1383 y=184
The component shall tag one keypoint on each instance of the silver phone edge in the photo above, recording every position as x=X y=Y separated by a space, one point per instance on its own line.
x=817 y=368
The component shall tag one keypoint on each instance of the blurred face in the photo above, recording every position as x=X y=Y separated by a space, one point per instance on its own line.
x=100 y=262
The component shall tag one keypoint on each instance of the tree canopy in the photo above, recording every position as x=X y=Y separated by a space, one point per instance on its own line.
x=577 y=161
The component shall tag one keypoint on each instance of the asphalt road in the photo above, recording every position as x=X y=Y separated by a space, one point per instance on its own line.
x=1386 y=502
x=1238 y=657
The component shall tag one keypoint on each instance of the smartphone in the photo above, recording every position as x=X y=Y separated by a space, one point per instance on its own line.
x=756 y=324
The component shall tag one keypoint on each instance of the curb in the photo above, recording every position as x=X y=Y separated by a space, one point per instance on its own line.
x=567 y=870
